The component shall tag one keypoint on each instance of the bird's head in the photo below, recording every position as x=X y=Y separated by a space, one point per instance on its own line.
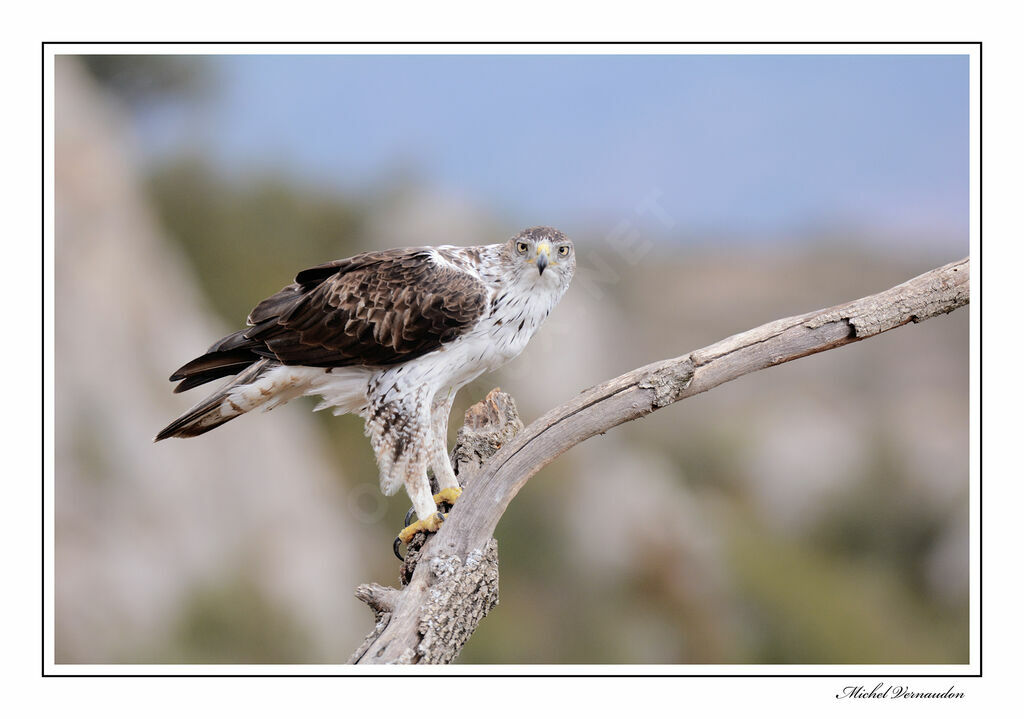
x=542 y=256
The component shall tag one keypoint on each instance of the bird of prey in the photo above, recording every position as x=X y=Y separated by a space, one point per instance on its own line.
x=390 y=336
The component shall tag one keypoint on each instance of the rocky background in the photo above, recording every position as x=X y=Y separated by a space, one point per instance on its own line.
x=813 y=513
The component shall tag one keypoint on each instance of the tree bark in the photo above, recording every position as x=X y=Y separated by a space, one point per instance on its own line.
x=453 y=578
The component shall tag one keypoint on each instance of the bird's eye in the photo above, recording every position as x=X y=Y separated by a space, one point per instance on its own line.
x=563 y=250
x=521 y=248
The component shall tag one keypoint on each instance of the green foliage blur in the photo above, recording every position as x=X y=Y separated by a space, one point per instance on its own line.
x=270 y=221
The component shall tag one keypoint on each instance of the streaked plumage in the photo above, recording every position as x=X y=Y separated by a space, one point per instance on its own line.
x=391 y=336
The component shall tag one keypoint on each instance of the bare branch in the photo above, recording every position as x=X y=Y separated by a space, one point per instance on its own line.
x=465 y=537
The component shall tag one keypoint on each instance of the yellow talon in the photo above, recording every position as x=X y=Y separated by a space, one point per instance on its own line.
x=430 y=524
x=448 y=495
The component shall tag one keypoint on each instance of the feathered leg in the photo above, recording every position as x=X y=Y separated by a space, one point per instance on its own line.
x=447 y=483
x=400 y=432
x=439 y=458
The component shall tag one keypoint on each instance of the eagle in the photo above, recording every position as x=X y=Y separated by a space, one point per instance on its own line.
x=391 y=336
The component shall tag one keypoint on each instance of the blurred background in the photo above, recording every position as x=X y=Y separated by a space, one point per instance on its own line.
x=815 y=512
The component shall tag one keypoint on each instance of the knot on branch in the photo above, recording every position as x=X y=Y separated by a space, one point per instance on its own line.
x=668 y=381
x=488 y=425
x=380 y=599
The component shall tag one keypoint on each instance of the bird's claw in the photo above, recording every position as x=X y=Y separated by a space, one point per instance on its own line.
x=445 y=496
x=430 y=524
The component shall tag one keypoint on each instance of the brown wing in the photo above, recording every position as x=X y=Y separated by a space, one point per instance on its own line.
x=375 y=309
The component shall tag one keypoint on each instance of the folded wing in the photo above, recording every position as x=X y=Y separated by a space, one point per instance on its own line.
x=375 y=309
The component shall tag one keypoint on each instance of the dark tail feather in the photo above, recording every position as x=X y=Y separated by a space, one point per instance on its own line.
x=209 y=413
x=210 y=367
x=229 y=356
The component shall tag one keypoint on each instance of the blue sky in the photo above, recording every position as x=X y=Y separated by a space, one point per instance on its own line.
x=754 y=146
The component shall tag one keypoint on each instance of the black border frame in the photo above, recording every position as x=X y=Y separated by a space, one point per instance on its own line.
x=432 y=675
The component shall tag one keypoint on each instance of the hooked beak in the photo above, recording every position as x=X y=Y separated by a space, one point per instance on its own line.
x=543 y=255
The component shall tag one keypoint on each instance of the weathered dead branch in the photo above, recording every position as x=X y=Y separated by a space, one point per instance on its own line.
x=454 y=582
